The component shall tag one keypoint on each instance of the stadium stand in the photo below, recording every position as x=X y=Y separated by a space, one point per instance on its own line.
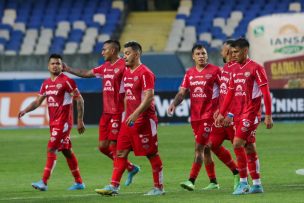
x=212 y=22
x=70 y=26
x=41 y=27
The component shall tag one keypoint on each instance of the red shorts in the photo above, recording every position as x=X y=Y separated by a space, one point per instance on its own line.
x=60 y=137
x=201 y=130
x=246 y=130
x=109 y=126
x=141 y=138
x=219 y=134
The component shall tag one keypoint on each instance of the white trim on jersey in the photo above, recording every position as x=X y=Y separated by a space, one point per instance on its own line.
x=153 y=127
x=216 y=91
x=70 y=86
x=65 y=127
x=121 y=88
x=68 y=99
x=256 y=91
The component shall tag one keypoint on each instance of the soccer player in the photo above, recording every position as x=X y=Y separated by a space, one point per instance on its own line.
x=111 y=73
x=59 y=91
x=202 y=81
x=139 y=128
x=226 y=131
x=246 y=87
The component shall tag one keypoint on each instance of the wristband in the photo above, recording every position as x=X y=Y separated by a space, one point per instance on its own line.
x=230 y=115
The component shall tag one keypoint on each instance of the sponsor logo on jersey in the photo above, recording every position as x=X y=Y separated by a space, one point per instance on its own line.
x=225 y=79
x=239 y=81
x=198 y=83
x=128 y=85
x=135 y=78
x=108 y=76
x=207 y=129
x=129 y=95
x=50 y=92
x=198 y=89
x=223 y=88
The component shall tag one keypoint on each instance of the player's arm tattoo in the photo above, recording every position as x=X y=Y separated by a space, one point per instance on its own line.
x=80 y=107
x=179 y=97
x=81 y=72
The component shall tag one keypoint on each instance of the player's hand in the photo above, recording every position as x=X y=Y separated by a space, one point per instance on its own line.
x=65 y=67
x=21 y=113
x=227 y=121
x=131 y=119
x=268 y=121
x=80 y=126
x=171 y=109
x=216 y=113
x=219 y=119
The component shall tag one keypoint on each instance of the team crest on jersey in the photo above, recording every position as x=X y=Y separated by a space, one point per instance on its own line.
x=208 y=76
x=114 y=125
x=246 y=123
x=207 y=129
x=54 y=133
x=145 y=140
x=116 y=70
x=58 y=86
x=247 y=74
x=135 y=78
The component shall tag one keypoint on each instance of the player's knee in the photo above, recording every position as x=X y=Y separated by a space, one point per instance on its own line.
x=250 y=148
x=121 y=154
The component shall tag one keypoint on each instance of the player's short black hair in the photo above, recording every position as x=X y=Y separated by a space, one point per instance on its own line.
x=228 y=41
x=241 y=43
x=55 y=56
x=114 y=43
x=197 y=46
x=134 y=45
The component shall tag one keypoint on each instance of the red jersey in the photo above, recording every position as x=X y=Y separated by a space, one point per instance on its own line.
x=204 y=87
x=59 y=97
x=111 y=75
x=135 y=83
x=226 y=73
x=246 y=82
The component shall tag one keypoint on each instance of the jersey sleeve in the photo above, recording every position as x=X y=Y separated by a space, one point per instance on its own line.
x=260 y=75
x=72 y=87
x=148 y=80
x=42 y=90
x=185 y=82
x=98 y=71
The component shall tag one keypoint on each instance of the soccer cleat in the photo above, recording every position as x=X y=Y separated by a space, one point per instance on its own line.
x=131 y=175
x=108 y=190
x=155 y=192
x=188 y=185
x=40 y=185
x=256 y=189
x=236 y=181
x=212 y=186
x=241 y=189
x=77 y=186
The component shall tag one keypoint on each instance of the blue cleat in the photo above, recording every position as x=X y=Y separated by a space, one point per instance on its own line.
x=256 y=189
x=77 y=186
x=131 y=175
x=155 y=192
x=40 y=185
x=108 y=190
x=242 y=189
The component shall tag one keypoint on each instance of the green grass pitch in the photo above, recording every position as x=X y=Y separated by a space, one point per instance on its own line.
x=23 y=154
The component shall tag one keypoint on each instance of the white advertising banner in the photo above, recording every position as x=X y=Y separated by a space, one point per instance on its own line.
x=277 y=43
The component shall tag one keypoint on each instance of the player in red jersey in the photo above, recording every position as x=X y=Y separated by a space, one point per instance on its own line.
x=226 y=132
x=139 y=128
x=111 y=73
x=246 y=87
x=59 y=92
x=202 y=81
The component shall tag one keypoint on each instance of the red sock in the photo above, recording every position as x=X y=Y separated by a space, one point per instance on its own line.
x=253 y=166
x=224 y=155
x=73 y=165
x=113 y=149
x=241 y=161
x=210 y=171
x=49 y=166
x=107 y=151
x=120 y=165
x=196 y=167
x=157 y=170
